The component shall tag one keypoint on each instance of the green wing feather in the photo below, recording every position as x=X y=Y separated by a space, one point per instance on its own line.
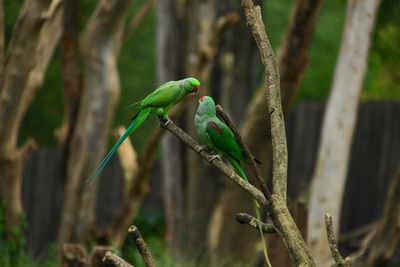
x=166 y=95
x=223 y=139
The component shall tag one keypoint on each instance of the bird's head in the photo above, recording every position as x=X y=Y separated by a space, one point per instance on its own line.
x=191 y=85
x=206 y=106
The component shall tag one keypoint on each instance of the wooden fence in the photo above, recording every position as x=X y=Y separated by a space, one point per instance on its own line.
x=375 y=154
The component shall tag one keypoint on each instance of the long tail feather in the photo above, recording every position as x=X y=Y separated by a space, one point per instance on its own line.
x=136 y=122
x=238 y=168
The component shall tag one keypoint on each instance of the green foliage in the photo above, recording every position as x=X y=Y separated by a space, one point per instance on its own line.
x=12 y=239
x=12 y=246
x=383 y=80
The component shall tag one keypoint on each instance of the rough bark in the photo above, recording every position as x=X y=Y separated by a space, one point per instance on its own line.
x=115 y=260
x=278 y=253
x=28 y=55
x=279 y=212
x=382 y=242
x=339 y=121
x=277 y=205
x=171 y=50
x=141 y=246
x=293 y=59
x=100 y=47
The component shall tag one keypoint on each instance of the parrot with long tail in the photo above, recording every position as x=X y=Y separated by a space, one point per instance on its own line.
x=218 y=137
x=160 y=102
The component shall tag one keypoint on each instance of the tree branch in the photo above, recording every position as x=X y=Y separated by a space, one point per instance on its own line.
x=141 y=245
x=339 y=261
x=244 y=218
x=272 y=83
x=220 y=165
x=249 y=155
x=279 y=212
x=115 y=260
x=139 y=188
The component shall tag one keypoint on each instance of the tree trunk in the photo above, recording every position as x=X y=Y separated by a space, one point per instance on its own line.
x=338 y=126
x=100 y=47
x=171 y=49
x=72 y=78
x=28 y=55
x=293 y=59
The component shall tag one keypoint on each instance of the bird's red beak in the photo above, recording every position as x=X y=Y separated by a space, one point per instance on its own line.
x=196 y=89
x=201 y=99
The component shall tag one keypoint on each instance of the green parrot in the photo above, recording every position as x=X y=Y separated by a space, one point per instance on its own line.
x=159 y=102
x=218 y=137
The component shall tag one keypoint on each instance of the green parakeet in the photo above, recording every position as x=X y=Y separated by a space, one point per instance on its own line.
x=159 y=102
x=218 y=137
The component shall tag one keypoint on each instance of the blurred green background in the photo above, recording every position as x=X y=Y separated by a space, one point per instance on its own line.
x=137 y=66
x=137 y=62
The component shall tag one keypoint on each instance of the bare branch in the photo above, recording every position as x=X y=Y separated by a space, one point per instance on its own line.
x=279 y=147
x=245 y=218
x=220 y=165
x=246 y=149
x=138 y=19
x=141 y=245
x=115 y=260
x=339 y=261
x=279 y=212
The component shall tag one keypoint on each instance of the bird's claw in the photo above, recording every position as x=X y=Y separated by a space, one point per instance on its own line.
x=211 y=158
x=201 y=148
x=165 y=122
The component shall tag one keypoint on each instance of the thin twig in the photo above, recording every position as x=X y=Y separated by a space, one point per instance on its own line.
x=115 y=260
x=245 y=218
x=339 y=261
x=220 y=165
x=141 y=245
x=249 y=155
